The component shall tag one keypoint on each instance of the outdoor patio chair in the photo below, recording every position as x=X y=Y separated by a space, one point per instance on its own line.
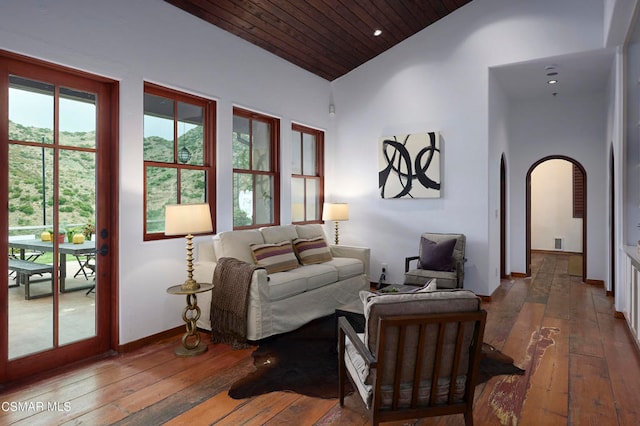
x=87 y=266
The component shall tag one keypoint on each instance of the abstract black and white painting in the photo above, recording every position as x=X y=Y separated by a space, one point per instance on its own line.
x=410 y=166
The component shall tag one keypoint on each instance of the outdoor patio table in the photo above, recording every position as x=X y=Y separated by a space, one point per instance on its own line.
x=88 y=247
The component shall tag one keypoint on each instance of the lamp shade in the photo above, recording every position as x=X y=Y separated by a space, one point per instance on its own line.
x=183 y=219
x=335 y=211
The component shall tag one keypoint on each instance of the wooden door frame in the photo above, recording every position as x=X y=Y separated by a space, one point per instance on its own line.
x=107 y=165
x=528 y=211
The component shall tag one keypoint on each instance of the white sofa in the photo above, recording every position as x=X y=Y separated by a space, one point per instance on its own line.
x=283 y=301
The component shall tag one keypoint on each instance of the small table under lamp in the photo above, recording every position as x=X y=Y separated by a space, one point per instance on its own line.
x=336 y=212
x=189 y=219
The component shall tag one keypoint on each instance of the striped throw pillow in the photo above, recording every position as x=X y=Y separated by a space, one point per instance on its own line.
x=275 y=257
x=312 y=250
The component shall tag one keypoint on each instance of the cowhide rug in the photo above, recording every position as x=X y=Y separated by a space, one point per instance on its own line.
x=305 y=361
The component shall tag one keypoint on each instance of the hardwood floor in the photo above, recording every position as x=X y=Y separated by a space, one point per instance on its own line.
x=582 y=367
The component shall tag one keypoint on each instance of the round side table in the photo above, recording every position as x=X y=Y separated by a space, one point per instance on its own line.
x=191 y=340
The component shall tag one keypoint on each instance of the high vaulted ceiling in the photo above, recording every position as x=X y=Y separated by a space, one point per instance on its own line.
x=326 y=37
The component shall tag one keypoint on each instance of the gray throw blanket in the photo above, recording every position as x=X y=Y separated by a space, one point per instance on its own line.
x=230 y=300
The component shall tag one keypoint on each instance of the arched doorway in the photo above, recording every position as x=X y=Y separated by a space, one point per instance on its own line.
x=581 y=198
x=503 y=218
x=612 y=222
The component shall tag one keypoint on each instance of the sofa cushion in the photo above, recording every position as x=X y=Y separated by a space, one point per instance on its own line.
x=436 y=256
x=275 y=257
x=311 y=230
x=347 y=267
x=237 y=244
x=318 y=275
x=283 y=285
x=277 y=234
x=312 y=250
x=420 y=277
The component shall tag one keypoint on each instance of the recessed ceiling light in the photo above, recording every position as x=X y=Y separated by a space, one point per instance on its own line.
x=552 y=81
x=376 y=33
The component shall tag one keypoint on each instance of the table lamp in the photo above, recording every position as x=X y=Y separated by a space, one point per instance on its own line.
x=336 y=212
x=188 y=219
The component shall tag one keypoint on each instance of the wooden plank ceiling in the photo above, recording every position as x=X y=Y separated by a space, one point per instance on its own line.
x=326 y=37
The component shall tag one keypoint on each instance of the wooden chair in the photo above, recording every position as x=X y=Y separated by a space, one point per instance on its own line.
x=419 y=356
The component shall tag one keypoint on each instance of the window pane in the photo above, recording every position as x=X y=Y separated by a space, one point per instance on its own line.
x=313 y=207
x=242 y=199
x=190 y=136
x=193 y=186
x=297 y=200
x=30 y=110
x=261 y=144
x=264 y=199
x=158 y=129
x=76 y=189
x=76 y=207
x=309 y=152
x=296 y=153
x=30 y=187
x=161 y=190
x=30 y=212
x=77 y=118
x=240 y=138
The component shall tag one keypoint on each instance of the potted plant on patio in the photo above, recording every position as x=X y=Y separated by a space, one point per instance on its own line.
x=89 y=229
x=61 y=234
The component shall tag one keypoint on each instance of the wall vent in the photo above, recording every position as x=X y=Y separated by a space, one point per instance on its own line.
x=557 y=243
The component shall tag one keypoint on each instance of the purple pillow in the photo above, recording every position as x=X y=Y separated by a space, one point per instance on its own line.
x=436 y=256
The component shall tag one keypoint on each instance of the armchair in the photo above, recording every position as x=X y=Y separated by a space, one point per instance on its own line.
x=419 y=356
x=440 y=256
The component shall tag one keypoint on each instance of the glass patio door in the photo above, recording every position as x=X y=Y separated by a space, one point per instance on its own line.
x=56 y=290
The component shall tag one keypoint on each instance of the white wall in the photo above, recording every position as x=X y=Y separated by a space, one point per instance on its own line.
x=134 y=41
x=632 y=213
x=552 y=207
x=438 y=80
x=573 y=126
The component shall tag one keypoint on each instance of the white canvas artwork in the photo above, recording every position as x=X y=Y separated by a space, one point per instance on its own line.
x=409 y=166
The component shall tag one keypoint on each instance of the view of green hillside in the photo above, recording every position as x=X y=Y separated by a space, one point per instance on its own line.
x=27 y=188
x=162 y=181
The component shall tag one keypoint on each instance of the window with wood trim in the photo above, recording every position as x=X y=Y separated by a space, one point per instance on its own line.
x=307 y=174
x=578 y=193
x=256 y=178
x=179 y=154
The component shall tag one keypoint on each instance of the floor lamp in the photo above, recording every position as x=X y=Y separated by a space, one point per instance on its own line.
x=336 y=212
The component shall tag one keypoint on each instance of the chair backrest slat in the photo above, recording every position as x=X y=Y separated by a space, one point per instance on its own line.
x=419 y=356
x=456 y=360
x=436 y=365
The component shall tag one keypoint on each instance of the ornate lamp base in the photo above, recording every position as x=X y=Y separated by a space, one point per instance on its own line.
x=183 y=352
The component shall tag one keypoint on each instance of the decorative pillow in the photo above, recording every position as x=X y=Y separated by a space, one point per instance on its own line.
x=312 y=250
x=436 y=256
x=275 y=257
